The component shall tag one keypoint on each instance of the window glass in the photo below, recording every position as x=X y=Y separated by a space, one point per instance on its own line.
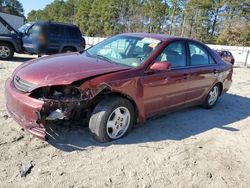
x=174 y=54
x=198 y=55
x=24 y=28
x=35 y=30
x=229 y=53
x=126 y=50
x=119 y=45
x=211 y=60
x=73 y=32
x=56 y=30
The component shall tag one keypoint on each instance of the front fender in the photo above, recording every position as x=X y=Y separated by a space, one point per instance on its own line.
x=16 y=45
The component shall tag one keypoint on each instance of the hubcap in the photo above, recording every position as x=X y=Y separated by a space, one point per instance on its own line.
x=213 y=95
x=4 y=51
x=118 y=122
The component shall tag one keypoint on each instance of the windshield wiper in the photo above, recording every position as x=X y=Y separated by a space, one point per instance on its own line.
x=103 y=58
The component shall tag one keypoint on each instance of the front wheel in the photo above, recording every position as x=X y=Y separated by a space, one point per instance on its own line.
x=6 y=51
x=111 y=119
x=212 y=97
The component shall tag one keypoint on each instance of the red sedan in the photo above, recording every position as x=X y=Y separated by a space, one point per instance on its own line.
x=226 y=56
x=117 y=83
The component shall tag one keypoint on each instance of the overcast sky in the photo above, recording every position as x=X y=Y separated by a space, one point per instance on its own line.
x=28 y=5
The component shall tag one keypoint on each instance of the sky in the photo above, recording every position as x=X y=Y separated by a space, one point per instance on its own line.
x=29 y=5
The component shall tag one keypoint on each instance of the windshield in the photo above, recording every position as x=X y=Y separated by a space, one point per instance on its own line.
x=126 y=50
x=23 y=28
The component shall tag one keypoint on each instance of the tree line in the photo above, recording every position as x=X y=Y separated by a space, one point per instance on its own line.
x=210 y=21
x=12 y=7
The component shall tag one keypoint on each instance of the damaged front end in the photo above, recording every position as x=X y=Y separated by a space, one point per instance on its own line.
x=35 y=108
x=61 y=103
x=71 y=103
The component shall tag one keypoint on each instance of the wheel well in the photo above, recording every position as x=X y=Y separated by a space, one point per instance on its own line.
x=72 y=47
x=104 y=94
x=221 y=87
x=7 y=42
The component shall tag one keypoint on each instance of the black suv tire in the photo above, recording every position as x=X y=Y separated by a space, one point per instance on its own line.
x=68 y=50
x=6 y=51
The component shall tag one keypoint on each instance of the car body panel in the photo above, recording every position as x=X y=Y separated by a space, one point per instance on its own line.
x=75 y=66
x=150 y=92
x=24 y=110
x=226 y=56
x=170 y=90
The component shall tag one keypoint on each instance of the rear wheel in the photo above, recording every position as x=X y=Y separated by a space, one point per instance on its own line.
x=111 y=119
x=6 y=51
x=212 y=97
x=68 y=50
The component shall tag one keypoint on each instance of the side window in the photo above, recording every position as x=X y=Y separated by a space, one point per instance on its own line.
x=211 y=60
x=174 y=54
x=35 y=30
x=73 y=32
x=56 y=30
x=198 y=55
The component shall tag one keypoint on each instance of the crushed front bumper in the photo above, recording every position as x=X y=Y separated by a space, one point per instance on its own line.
x=24 y=110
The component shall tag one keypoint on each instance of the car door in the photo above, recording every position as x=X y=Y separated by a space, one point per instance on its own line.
x=203 y=72
x=30 y=38
x=167 y=90
x=56 y=37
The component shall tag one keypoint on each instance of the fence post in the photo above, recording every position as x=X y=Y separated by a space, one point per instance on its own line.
x=246 y=57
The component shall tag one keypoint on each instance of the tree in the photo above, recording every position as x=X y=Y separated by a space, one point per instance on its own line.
x=12 y=7
x=154 y=12
x=208 y=20
x=82 y=14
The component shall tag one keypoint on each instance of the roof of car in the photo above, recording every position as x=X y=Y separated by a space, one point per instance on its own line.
x=161 y=37
x=49 y=22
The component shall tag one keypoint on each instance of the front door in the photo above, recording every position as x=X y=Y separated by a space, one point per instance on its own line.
x=30 y=38
x=167 y=90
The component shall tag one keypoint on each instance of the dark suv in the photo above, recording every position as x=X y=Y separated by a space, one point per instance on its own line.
x=39 y=38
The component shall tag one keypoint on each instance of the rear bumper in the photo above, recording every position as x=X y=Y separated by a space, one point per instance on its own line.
x=24 y=110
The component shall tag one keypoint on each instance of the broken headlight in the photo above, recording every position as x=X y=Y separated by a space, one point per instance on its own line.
x=57 y=93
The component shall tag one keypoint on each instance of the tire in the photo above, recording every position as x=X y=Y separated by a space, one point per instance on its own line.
x=212 y=97
x=232 y=62
x=111 y=119
x=68 y=50
x=6 y=51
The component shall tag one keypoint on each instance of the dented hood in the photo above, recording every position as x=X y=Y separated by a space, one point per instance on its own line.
x=64 y=69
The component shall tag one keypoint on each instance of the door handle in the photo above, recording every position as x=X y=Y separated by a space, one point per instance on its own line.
x=185 y=76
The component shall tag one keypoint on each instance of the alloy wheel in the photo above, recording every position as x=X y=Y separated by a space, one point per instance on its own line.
x=4 y=51
x=118 y=122
x=213 y=95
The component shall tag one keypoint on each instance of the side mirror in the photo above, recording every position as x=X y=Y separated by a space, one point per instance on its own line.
x=160 y=66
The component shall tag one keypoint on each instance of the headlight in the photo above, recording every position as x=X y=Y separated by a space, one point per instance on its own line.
x=56 y=92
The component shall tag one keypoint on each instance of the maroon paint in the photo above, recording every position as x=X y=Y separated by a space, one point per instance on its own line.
x=152 y=92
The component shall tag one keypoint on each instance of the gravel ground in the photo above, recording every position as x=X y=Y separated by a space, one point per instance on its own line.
x=193 y=147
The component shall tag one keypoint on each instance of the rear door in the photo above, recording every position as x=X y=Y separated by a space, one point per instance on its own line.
x=73 y=36
x=55 y=36
x=203 y=71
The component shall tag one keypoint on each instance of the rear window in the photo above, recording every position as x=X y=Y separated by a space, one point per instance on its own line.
x=56 y=30
x=73 y=32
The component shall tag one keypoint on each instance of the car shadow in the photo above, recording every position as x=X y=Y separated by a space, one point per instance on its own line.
x=175 y=126
x=22 y=59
